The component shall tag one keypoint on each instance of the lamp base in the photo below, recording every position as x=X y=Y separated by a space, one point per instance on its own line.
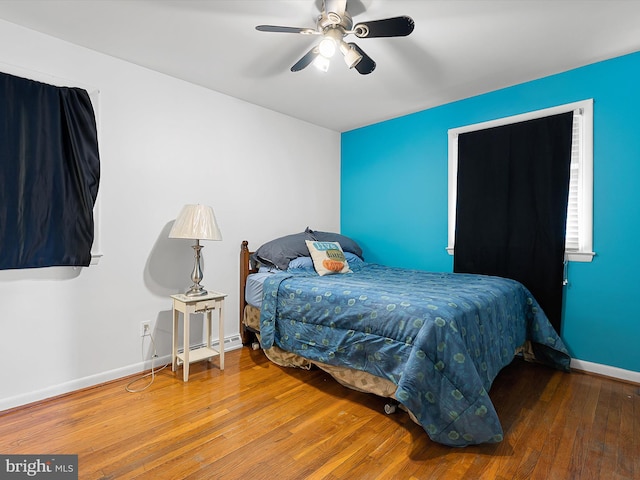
x=196 y=291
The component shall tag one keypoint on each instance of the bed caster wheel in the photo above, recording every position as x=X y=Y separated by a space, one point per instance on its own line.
x=390 y=408
x=255 y=346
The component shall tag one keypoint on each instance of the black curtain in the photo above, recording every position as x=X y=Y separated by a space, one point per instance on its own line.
x=513 y=184
x=49 y=174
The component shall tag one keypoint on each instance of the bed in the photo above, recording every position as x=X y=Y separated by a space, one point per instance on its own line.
x=432 y=341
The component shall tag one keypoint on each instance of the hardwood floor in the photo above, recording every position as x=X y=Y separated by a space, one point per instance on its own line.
x=259 y=421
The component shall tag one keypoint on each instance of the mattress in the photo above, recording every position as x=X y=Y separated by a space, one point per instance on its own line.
x=253 y=289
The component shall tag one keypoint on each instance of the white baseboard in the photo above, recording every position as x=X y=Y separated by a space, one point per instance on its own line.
x=606 y=370
x=230 y=343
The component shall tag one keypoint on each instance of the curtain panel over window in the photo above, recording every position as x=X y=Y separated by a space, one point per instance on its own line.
x=49 y=174
x=512 y=191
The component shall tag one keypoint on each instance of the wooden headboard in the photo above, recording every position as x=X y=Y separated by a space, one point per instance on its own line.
x=247 y=266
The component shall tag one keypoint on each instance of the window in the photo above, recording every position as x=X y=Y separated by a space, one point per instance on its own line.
x=94 y=95
x=579 y=234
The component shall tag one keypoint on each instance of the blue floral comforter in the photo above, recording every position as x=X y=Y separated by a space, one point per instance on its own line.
x=440 y=337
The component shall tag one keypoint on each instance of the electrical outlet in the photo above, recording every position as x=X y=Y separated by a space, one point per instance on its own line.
x=145 y=329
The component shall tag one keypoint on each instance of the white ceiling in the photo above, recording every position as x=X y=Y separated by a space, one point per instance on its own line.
x=459 y=48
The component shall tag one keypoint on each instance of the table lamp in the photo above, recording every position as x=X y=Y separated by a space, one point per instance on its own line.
x=196 y=222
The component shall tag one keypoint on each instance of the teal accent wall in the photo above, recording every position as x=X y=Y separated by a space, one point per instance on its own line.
x=394 y=197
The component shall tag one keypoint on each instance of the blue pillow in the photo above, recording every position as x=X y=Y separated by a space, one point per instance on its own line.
x=301 y=262
x=267 y=269
x=353 y=259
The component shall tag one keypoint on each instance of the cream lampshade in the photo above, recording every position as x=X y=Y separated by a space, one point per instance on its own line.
x=196 y=222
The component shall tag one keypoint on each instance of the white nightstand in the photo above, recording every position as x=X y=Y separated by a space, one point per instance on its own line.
x=189 y=305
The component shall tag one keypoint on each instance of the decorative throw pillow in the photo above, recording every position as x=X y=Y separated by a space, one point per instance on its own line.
x=328 y=257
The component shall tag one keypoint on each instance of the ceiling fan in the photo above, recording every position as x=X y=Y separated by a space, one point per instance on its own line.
x=335 y=23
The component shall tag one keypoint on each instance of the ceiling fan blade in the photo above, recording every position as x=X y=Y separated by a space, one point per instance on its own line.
x=366 y=65
x=306 y=60
x=388 y=27
x=279 y=29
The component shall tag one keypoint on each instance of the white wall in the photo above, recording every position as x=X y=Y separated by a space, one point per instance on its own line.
x=163 y=143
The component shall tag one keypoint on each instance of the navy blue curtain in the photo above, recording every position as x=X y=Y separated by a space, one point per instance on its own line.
x=513 y=187
x=49 y=174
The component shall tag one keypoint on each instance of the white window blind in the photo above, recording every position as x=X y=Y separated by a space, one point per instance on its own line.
x=579 y=228
x=572 y=237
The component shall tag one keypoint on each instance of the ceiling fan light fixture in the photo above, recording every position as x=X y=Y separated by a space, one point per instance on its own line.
x=321 y=63
x=327 y=47
x=351 y=55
